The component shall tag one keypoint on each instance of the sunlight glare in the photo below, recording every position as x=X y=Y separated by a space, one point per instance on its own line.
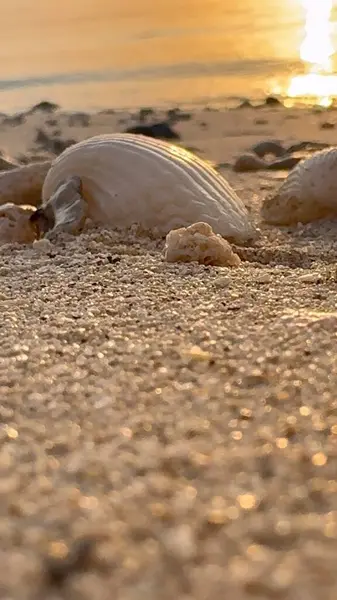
x=316 y=52
x=317 y=47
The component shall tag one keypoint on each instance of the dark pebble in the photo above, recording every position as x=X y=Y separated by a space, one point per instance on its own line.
x=272 y=101
x=144 y=113
x=245 y=104
x=327 y=125
x=297 y=147
x=287 y=163
x=79 y=119
x=14 y=120
x=156 y=130
x=269 y=147
x=175 y=115
x=44 y=106
x=52 y=144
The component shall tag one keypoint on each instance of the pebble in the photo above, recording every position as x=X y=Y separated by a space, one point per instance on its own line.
x=222 y=282
x=43 y=245
x=310 y=278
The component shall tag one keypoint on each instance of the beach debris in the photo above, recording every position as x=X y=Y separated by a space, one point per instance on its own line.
x=274 y=147
x=128 y=179
x=198 y=243
x=79 y=119
x=174 y=115
x=6 y=164
x=272 y=101
x=327 y=125
x=245 y=104
x=14 y=120
x=162 y=130
x=144 y=113
x=15 y=226
x=249 y=162
x=261 y=121
x=284 y=164
x=307 y=145
x=286 y=158
x=23 y=184
x=52 y=143
x=309 y=193
x=44 y=106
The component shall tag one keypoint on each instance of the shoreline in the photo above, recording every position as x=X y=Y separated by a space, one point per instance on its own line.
x=219 y=104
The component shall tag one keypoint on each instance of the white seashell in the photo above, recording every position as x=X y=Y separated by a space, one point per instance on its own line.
x=309 y=192
x=128 y=179
x=23 y=185
x=199 y=243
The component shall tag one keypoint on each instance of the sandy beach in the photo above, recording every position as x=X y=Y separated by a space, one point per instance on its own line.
x=170 y=430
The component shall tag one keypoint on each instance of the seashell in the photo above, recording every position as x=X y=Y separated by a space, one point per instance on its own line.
x=15 y=225
x=309 y=192
x=7 y=164
x=128 y=179
x=199 y=243
x=23 y=185
x=66 y=211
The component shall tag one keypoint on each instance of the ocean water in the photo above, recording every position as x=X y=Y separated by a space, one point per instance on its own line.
x=92 y=54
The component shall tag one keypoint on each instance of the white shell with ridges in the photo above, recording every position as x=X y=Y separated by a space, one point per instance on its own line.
x=129 y=179
x=309 y=192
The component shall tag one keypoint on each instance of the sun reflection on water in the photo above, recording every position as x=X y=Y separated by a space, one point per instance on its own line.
x=318 y=84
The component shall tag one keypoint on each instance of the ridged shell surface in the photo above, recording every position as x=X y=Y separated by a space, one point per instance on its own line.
x=309 y=192
x=131 y=179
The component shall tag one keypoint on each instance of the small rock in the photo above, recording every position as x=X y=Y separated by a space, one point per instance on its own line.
x=14 y=120
x=175 y=114
x=79 y=119
x=264 y=278
x=272 y=101
x=157 y=130
x=248 y=163
x=44 y=106
x=327 y=125
x=42 y=245
x=268 y=147
x=310 y=278
x=222 y=282
x=144 y=113
x=245 y=104
x=287 y=163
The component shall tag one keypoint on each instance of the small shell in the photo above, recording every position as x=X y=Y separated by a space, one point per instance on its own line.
x=309 y=192
x=129 y=179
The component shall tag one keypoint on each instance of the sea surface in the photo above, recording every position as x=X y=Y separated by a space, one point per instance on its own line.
x=92 y=54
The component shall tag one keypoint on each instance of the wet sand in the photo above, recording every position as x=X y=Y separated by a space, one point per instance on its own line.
x=170 y=430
